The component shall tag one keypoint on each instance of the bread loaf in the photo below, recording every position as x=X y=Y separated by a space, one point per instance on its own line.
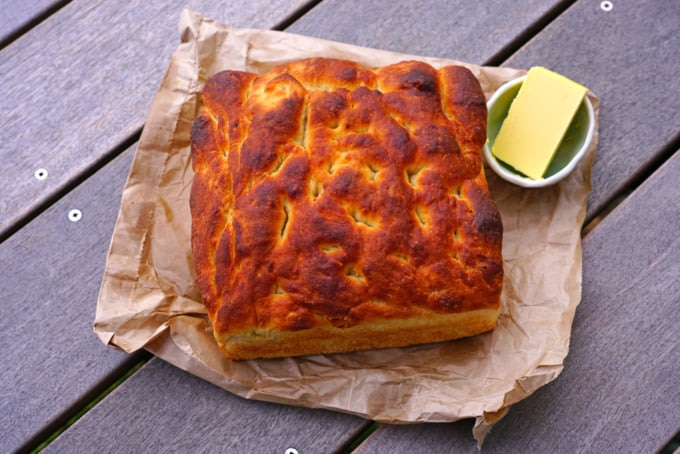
x=338 y=208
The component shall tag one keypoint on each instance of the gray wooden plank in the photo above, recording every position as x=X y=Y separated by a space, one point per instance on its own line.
x=628 y=56
x=51 y=272
x=469 y=31
x=15 y=16
x=164 y=409
x=440 y=438
x=82 y=82
x=619 y=391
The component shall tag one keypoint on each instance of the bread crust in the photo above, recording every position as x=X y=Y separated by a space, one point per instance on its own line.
x=338 y=208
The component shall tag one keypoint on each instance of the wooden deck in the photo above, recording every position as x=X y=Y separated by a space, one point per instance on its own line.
x=78 y=79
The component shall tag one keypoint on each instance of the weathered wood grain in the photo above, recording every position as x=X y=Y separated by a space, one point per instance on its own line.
x=51 y=272
x=619 y=391
x=629 y=57
x=164 y=409
x=82 y=82
x=65 y=108
x=469 y=31
x=15 y=16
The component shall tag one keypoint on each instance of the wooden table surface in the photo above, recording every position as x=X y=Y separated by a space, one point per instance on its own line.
x=77 y=80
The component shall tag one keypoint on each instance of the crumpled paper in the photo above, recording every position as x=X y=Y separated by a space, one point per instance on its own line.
x=149 y=297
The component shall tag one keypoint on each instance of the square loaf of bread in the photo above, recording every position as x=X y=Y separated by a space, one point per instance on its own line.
x=338 y=208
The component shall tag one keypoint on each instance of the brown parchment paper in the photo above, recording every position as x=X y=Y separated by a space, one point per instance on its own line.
x=149 y=297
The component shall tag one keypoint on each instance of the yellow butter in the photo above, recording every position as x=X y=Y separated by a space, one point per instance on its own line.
x=538 y=118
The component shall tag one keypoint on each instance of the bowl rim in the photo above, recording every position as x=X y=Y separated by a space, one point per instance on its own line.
x=527 y=182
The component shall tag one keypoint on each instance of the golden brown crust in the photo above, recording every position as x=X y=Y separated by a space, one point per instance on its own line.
x=337 y=208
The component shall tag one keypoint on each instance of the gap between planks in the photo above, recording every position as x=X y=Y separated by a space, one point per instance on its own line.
x=521 y=39
x=634 y=182
x=365 y=432
x=295 y=15
x=70 y=415
x=32 y=22
x=68 y=186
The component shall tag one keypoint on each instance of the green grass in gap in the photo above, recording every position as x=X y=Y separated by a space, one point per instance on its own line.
x=354 y=444
x=90 y=405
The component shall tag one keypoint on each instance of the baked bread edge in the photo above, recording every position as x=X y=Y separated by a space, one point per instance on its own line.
x=393 y=333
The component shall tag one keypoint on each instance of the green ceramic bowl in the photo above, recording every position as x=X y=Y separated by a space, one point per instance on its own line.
x=574 y=146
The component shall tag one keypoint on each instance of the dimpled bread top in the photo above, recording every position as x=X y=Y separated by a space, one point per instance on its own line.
x=338 y=208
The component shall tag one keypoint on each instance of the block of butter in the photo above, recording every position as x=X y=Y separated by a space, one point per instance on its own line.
x=538 y=119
